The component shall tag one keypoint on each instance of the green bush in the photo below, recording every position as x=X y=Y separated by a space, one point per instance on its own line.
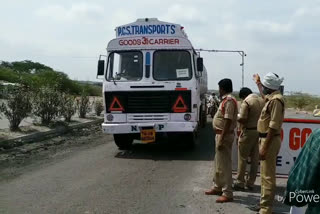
x=98 y=107
x=2 y=88
x=83 y=104
x=302 y=101
x=67 y=107
x=46 y=104
x=17 y=105
x=94 y=90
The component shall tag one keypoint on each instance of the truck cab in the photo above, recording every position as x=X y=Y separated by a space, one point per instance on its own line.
x=154 y=83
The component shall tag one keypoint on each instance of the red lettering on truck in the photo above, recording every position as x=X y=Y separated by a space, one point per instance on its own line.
x=146 y=41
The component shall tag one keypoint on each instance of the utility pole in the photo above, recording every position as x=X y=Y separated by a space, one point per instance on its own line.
x=242 y=54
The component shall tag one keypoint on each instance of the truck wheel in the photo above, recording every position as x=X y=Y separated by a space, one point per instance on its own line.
x=123 y=141
x=203 y=118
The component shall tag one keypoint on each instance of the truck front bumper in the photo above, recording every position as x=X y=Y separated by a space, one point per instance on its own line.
x=131 y=128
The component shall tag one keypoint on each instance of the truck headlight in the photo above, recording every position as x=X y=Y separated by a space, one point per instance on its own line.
x=110 y=117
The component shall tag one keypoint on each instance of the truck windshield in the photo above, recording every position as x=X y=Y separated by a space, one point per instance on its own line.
x=172 y=65
x=125 y=66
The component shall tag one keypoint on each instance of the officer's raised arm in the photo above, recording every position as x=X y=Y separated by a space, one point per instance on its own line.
x=256 y=79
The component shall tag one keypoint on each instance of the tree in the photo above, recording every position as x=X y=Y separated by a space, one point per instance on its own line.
x=17 y=105
x=25 y=66
x=37 y=75
x=8 y=75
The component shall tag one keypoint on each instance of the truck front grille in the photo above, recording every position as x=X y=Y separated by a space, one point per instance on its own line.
x=147 y=101
x=148 y=104
x=147 y=117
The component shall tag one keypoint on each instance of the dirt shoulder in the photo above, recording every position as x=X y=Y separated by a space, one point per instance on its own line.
x=18 y=160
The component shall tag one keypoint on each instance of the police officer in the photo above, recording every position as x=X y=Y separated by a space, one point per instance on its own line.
x=248 y=144
x=224 y=123
x=269 y=128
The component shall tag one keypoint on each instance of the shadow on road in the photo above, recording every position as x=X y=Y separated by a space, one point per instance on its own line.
x=164 y=150
x=280 y=190
x=253 y=198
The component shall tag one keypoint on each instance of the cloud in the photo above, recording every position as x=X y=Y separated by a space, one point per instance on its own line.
x=307 y=11
x=78 y=11
x=183 y=14
x=270 y=27
x=121 y=17
x=257 y=33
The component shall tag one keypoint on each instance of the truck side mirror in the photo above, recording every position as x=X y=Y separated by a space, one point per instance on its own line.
x=100 y=68
x=200 y=64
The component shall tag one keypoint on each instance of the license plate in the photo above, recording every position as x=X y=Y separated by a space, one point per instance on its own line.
x=148 y=135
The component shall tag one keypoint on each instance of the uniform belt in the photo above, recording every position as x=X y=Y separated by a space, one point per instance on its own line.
x=218 y=131
x=264 y=135
x=253 y=128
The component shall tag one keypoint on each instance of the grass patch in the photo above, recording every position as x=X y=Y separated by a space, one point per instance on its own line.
x=302 y=101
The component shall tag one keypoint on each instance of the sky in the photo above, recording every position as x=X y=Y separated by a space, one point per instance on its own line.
x=278 y=36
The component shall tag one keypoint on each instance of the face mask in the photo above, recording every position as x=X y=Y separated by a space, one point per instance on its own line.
x=220 y=94
x=266 y=91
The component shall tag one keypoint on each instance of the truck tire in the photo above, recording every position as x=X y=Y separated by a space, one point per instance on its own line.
x=123 y=141
x=203 y=118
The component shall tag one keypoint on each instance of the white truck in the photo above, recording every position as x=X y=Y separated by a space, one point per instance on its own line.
x=154 y=84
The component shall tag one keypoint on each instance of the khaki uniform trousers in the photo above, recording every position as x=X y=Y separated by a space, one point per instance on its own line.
x=248 y=146
x=268 y=175
x=222 y=177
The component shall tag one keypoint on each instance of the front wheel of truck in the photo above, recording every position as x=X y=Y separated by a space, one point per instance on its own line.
x=203 y=117
x=123 y=141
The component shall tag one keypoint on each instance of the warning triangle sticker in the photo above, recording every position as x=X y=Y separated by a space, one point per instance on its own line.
x=179 y=105
x=116 y=105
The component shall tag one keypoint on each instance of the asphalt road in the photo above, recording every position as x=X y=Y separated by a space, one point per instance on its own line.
x=159 y=178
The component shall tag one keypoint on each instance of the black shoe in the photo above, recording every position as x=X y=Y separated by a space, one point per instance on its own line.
x=236 y=187
x=250 y=188
x=255 y=208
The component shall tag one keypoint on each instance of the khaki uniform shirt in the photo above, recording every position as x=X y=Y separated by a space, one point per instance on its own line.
x=250 y=110
x=272 y=114
x=227 y=110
